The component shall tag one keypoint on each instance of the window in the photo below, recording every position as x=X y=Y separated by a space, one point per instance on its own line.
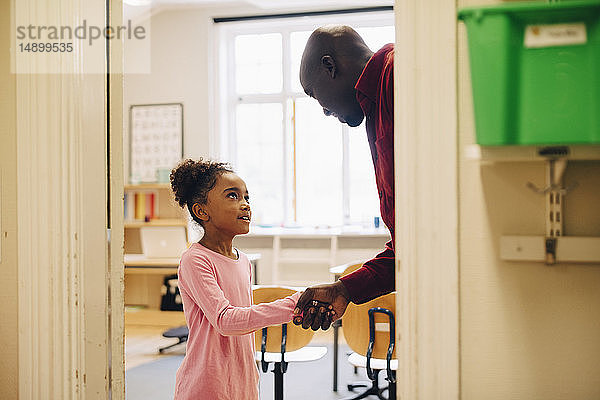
x=301 y=167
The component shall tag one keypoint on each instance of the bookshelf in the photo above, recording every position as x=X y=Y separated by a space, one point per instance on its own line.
x=144 y=277
x=161 y=210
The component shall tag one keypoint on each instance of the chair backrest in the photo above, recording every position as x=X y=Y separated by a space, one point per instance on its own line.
x=345 y=269
x=352 y=266
x=355 y=324
x=296 y=336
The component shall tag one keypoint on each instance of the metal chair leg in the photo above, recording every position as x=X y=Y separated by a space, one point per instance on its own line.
x=336 y=328
x=374 y=390
x=181 y=340
x=278 y=381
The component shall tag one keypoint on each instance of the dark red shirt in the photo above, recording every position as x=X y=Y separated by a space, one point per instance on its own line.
x=375 y=93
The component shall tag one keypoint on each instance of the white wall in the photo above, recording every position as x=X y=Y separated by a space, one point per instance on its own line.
x=181 y=54
x=527 y=331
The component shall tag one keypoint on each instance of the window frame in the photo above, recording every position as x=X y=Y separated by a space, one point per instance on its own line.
x=226 y=99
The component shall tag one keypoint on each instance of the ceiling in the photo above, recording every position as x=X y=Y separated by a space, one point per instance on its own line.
x=266 y=4
x=135 y=8
x=143 y=9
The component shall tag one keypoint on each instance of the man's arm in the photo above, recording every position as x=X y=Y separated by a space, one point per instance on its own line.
x=312 y=310
x=375 y=278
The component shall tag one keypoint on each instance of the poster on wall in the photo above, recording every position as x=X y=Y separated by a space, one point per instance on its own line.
x=156 y=141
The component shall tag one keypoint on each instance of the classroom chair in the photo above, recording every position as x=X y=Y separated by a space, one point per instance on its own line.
x=181 y=333
x=282 y=344
x=171 y=301
x=369 y=330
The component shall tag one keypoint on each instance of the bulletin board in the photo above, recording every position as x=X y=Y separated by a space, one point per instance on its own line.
x=155 y=140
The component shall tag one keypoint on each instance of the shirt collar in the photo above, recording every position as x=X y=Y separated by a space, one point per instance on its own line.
x=367 y=82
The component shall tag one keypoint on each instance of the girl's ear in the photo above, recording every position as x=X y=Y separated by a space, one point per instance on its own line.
x=199 y=212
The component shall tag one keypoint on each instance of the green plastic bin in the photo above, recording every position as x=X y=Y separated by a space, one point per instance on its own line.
x=535 y=72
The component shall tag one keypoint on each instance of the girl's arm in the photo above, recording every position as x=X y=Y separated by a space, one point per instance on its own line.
x=198 y=277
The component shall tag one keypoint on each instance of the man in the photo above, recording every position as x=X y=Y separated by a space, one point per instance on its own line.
x=351 y=83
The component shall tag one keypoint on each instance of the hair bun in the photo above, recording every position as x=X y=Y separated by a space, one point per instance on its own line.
x=192 y=180
x=182 y=182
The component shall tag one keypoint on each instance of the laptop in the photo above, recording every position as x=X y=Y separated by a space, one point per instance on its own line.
x=163 y=241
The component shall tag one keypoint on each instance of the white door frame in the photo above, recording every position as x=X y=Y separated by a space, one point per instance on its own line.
x=426 y=199
x=70 y=328
x=116 y=184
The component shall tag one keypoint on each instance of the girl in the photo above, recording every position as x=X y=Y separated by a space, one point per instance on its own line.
x=214 y=281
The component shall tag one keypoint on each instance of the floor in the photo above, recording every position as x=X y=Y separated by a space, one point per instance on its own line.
x=142 y=344
x=150 y=375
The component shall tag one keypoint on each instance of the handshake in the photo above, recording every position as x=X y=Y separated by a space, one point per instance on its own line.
x=320 y=305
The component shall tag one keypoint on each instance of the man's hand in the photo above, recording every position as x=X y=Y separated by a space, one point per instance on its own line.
x=317 y=315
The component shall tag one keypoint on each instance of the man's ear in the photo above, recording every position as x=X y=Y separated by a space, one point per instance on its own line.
x=329 y=64
x=199 y=212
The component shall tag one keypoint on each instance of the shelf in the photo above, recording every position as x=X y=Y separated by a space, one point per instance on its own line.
x=139 y=260
x=148 y=186
x=531 y=153
x=137 y=270
x=156 y=222
x=569 y=249
x=141 y=264
x=304 y=260
x=321 y=233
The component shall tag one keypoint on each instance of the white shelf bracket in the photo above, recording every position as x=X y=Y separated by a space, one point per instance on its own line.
x=554 y=193
x=554 y=206
x=553 y=247
x=546 y=249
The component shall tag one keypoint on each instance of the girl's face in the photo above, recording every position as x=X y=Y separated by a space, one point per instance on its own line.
x=227 y=206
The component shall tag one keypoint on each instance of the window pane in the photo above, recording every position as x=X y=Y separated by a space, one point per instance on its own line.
x=376 y=37
x=297 y=42
x=364 y=200
x=318 y=166
x=258 y=63
x=259 y=147
x=311 y=192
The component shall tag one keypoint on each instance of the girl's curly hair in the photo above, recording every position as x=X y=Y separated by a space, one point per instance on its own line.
x=192 y=180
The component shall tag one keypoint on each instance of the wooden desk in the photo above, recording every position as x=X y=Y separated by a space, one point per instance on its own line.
x=144 y=277
x=139 y=264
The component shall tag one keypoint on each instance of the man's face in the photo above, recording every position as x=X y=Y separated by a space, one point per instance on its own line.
x=336 y=95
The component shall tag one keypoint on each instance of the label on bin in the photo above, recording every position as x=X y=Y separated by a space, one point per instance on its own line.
x=537 y=36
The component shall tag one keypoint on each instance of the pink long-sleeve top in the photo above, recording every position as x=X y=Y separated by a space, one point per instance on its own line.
x=217 y=303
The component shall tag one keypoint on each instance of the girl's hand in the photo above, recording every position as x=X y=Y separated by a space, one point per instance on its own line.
x=320 y=305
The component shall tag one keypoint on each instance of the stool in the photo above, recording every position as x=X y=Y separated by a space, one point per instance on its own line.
x=181 y=333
